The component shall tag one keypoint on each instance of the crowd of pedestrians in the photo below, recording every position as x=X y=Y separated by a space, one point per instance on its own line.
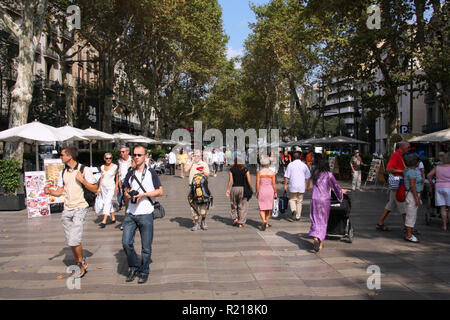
x=135 y=185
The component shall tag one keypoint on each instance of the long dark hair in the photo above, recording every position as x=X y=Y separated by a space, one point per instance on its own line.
x=322 y=165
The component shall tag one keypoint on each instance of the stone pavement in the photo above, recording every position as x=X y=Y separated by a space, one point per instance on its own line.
x=225 y=262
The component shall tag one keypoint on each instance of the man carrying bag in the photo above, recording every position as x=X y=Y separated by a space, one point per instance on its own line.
x=141 y=185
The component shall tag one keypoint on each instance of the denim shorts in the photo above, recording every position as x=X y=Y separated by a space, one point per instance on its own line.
x=442 y=197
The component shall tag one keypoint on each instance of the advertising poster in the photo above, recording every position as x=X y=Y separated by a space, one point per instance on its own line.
x=37 y=200
x=53 y=168
x=374 y=168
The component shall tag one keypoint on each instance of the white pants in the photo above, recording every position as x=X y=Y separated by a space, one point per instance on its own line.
x=356 y=182
x=107 y=196
x=411 y=210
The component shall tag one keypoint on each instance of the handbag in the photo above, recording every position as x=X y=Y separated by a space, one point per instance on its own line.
x=275 y=210
x=283 y=203
x=158 y=209
x=99 y=204
x=400 y=195
x=394 y=181
x=248 y=192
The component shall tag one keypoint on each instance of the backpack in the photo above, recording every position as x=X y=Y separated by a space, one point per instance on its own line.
x=89 y=196
x=199 y=193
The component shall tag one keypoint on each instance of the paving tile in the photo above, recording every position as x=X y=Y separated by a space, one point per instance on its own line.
x=226 y=263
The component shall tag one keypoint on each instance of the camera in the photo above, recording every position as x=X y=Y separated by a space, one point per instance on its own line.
x=132 y=194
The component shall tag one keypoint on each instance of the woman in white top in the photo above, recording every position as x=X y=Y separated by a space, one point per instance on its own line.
x=108 y=188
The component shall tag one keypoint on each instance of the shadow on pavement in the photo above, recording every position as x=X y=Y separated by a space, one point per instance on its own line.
x=298 y=239
x=183 y=222
x=69 y=259
x=122 y=263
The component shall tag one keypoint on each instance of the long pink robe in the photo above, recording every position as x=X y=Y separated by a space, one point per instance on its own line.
x=320 y=204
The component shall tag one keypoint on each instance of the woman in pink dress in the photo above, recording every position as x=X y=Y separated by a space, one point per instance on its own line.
x=323 y=181
x=266 y=191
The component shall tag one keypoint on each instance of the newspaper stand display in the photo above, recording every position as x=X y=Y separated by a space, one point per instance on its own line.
x=376 y=172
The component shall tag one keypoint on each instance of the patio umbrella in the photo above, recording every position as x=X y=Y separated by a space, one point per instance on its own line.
x=93 y=134
x=346 y=140
x=37 y=132
x=123 y=136
x=142 y=139
x=439 y=136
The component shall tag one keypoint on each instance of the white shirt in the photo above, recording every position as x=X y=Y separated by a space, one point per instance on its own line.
x=221 y=157
x=297 y=172
x=123 y=168
x=172 y=158
x=215 y=157
x=421 y=166
x=144 y=206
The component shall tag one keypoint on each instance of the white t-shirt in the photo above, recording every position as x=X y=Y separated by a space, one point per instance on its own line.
x=123 y=168
x=215 y=157
x=297 y=172
x=221 y=157
x=421 y=166
x=150 y=183
x=172 y=158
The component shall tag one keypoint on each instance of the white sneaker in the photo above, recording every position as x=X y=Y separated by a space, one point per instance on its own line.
x=195 y=227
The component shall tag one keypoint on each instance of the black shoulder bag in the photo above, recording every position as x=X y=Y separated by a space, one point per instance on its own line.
x=158 y=212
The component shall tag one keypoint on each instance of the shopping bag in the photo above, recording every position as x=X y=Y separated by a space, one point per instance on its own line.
x=283 y=203
x=275 y=210
x=99 y=204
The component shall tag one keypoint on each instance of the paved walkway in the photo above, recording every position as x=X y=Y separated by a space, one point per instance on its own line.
x=226 y=262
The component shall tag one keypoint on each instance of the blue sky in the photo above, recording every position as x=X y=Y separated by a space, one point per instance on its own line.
x=236 y=15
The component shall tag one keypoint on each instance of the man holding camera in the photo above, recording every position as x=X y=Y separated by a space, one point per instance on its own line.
x=140 y=185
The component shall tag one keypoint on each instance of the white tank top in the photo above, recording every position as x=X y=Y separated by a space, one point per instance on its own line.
x=108 y=176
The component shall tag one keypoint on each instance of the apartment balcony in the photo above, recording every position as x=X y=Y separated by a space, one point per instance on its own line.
x=433 y=127
x=337 y=111
x=342 y=99
x=49 y=53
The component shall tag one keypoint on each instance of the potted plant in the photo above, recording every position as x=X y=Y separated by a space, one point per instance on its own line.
x=10 y=172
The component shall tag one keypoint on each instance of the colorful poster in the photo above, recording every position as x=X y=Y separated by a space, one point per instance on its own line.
x=53 y=168
x=374 y=169
x=37 y=200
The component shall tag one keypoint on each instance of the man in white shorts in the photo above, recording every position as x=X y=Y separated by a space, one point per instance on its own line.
x=71 y=184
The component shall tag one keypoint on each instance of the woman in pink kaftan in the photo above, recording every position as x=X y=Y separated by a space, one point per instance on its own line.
x=323 y=181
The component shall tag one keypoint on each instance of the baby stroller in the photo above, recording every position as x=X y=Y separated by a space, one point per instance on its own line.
x=339 y=224
x=160 y=166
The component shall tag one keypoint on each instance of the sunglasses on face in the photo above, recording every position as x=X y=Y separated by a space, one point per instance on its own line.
x=108 y=158
x=137 y=155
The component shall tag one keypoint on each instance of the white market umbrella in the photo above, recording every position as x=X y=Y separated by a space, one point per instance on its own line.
x=37 y=132
x=346 y=140
x=92 y=135
x=123 y=136
x=142 y=139
x=439 y=136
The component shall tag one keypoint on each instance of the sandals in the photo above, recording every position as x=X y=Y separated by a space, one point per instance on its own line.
x=382 y=227
x=240 y=225
x=235 y=222
x=316 y=245
x=412 y=239
x=263 y=227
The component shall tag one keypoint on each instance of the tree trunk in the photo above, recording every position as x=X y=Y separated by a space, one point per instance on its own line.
x=22 y=93
x=108 y=94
